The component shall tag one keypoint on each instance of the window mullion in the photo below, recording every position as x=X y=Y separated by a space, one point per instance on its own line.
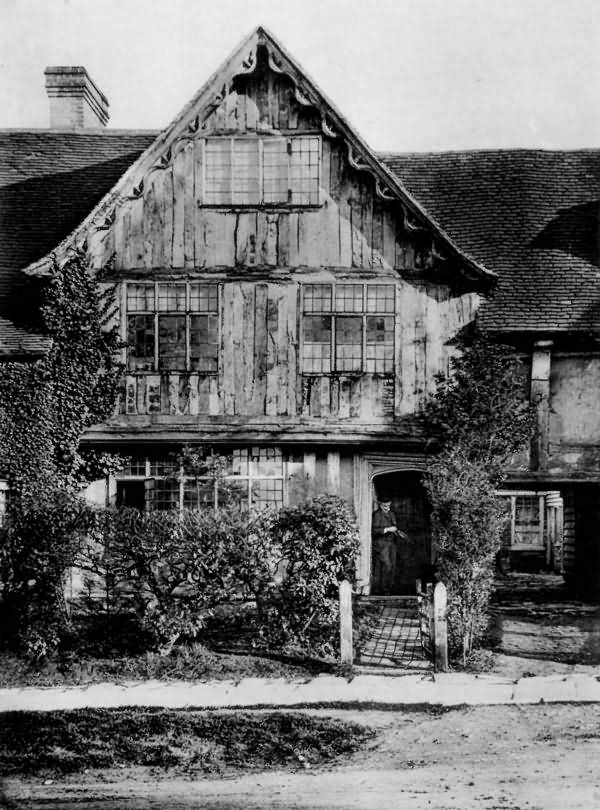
x=364 y=343
x=203 y=152
x=231 y=169
x=333 y=363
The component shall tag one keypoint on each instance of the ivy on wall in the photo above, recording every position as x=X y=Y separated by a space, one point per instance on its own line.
x=45 y=406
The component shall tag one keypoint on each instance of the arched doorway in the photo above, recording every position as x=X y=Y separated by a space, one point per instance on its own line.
x=410 y=508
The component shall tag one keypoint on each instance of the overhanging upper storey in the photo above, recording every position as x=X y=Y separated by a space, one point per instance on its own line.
x=260 y=171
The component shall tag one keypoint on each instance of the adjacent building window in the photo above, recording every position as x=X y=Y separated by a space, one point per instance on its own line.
x=528 y=517
x=173 y=326
x=3 y=501
x=255 y=479
x=348 y=328
x=261 y=171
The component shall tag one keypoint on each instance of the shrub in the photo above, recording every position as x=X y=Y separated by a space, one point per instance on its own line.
x=482 y=417
x=41 y=540
x=174 y=569
x=318 y=543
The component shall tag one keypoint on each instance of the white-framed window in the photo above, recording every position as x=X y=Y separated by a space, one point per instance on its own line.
x=348 y=327
x=531 y=513
x=172 y=326
x=255 y=479
x=3 y=501
x=261 y=171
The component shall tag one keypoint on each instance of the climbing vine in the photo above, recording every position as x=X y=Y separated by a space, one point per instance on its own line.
x=46 y=406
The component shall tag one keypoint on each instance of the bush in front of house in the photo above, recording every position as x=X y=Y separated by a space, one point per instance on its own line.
x=41 y=540
x=174 y=570
x=482 y=417
x=318 y=542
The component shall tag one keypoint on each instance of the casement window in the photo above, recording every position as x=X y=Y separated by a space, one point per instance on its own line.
x=535 y=519
x=173 y=326
x=261 y=171
x=348 y=328
x=3 y=501
x=255 y=479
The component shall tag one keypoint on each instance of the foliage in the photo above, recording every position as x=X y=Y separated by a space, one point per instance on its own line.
x=318 y=543
x=192 y=742
x=174 y=569
x=45 y=406
x=483 y=418
x=40 y=543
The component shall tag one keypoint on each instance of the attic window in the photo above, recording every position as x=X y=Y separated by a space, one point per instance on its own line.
x=262 y=171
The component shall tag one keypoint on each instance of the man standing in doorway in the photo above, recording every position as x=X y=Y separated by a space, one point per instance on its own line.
x=385 y=535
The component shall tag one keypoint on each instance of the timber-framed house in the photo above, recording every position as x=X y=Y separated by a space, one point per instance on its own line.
x=287 y=296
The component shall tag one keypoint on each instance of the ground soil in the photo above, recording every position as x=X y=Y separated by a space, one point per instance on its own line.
x=541 y=757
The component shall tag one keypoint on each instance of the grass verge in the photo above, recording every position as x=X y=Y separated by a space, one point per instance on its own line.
x=58 y=743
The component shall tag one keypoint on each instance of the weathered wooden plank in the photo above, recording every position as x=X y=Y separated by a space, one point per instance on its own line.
x=191 y=170
x=260 y=349
x=345 y=397
x=173 y=393
x=245 y=239
x=180 y=181
x=204 y=395
x=355 y=398
x=193 y=406
x=294 y=238
x=389 y=236
x=227 y=348
x=325 y=396
x=167 y=219
x=242 y=338
x=130 y=395
x=293 y=371
x=215 y=406
x=184 y=394
x=433 y=327
x=157 y=211
x=333 y=473
x=275 y=344
x=377 y=237
x=153 y=393
x=140 y=381
x=310 y=471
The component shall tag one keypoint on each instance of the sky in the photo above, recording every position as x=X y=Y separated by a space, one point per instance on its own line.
x=408 y=74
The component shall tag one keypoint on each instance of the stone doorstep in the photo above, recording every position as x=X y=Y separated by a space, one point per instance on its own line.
x=449 y=689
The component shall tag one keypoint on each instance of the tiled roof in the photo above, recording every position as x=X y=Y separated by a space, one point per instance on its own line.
x=49 y=181
x=531 y=216
x=17 y=342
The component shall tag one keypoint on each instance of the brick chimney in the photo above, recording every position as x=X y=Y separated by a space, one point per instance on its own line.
x=75 y=101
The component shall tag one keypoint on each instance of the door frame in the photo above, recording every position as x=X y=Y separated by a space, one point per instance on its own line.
x=367 y=467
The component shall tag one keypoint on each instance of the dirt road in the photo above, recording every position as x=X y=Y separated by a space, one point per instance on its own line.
x=485 y=758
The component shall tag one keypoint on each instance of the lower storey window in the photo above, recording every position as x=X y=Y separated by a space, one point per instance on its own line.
x=254 y=478
x=532 y=518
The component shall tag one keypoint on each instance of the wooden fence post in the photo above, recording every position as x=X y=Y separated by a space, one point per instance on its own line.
x=440 y=631
x=346 y=651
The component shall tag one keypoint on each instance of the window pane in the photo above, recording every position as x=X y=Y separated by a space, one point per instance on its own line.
x=198 y=494
x=171 y=342
x=163 y=466
x=304 y=171
x=275 y=171
x=140 y=297
x=381 y=298
x=380 y=344
x=171 y=297
x=317 y=298
x=217 y=171
x=204 y=298
x=166 y=494
x=349 y=297
x=246 y=185
x=348 y=344
x=134 y=466
x=140 y=340
x=240 y=462
x=232 y=492
x=266 y=461
x=317 y=344
x=527 y=520
x=204 y=343
x=267 y=492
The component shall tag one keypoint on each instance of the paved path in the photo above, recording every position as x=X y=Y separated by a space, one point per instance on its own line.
x=450 y=689
x=396 y=641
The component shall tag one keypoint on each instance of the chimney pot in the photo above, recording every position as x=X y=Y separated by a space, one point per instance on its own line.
x=75 y=101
